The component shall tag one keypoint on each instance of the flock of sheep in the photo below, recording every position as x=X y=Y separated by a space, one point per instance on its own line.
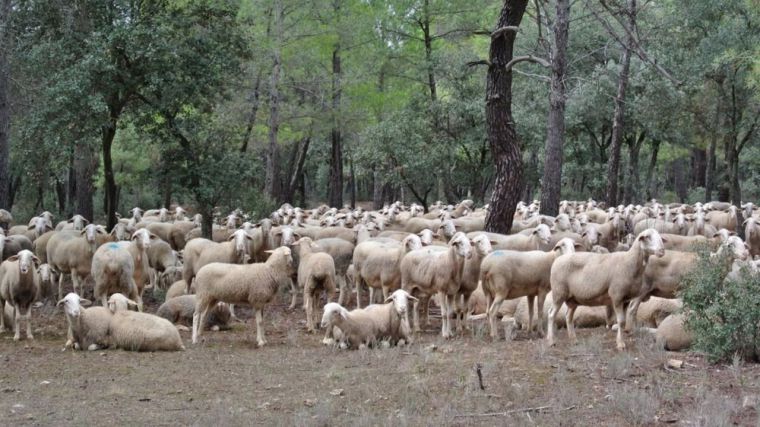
x=585 y=267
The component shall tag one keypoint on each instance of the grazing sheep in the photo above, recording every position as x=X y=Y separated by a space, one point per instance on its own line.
x=169 y=277
x=176 y=289
x=178 y=233
x=20 y=286
x=161 y=256
x=136 y=331
x=87 y=327
x=428 y=271
x=368 y=326
x=113 y=269
x=179 y=310
x=316 y=272
x=72 y=251
x=601 y=279
x=507 y=275
x=251 y=284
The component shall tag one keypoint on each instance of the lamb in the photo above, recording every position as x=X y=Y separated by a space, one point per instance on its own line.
x=601 y=279
x=672 y=335
x=512 y=274
x=316 y=272
x=72 y=251
x=252 y=284
x=87 y=327
x=113 y=269
x=429 y=271
x=179 y=310
x=368 y=326
x=20 y=286
x=377 y=265
x=133 y=331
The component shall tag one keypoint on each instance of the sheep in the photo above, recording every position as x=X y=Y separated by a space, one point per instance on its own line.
x=72 y=251
x=20 y=286
x=471 y=275
x=346 y=234
x=727 y=218
x=652 y=312
x=236 y=251
x=601 y=279
x=137 y=331
x=22 y=241
x=752 y=267
x=342 y=253
x=368 y=326
x=87 y=327
x=440 y=272
x=672 y=334
x=524 y=242
x=316 y=272
x=752 y=235
x=40 y=246
x=169 y=277
x=700 y=226
x=76 y=222
x=677 y=242
x=179 y=310
x=190 y=255
x=160 y=257
x=178 y=233
x=161 y=229
x=9 y=247
x=176 y=289
x=252 y=284
x=122 y=231
x=657 y=224
x=417 y=224
x=5 y=219
x=584 y=317
x=47 y=281
x=38 y=226
x=377 y=265
x=513 y=274
x=113 y=269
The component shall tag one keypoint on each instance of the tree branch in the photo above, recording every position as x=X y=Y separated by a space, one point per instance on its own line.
x=749 y=133
x=529 y=58
x=501 y=31
x=481 y=62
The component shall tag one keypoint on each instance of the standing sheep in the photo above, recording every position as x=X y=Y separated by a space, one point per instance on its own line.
x=72 y=251
x=436 y=272
x=113 y=269
x=251 y=284
x=601 y=279
x=20 y=286
x=316 y=272
x=471 y=276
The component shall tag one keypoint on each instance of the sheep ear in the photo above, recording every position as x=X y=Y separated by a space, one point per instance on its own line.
x=132 y=303
x=716 y=234
x=297 y=235
x=232 y=237
x=412 y=298
x=85 y=221
x=31 y=227
x=270 y=252
x=664 y=239
x=278 y=233
x=12 y=258
x=60 y=301
x=578 y=245
x=84 y=302
x=36 y=261
x=248 y=236
x=732 y=233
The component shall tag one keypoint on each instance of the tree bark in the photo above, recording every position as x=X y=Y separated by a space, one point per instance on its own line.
x=500 y=127
x=272 y=176
x=428 y=41
x=335 y=184
x=377 y=189
x=5 y=106
x=296 y=176
x=108 y=132
x=551 y=184
x=631 y=187
x=618 y=121
x=710 y=169
x=85 y=164
x=650 y=170
x=255 y=95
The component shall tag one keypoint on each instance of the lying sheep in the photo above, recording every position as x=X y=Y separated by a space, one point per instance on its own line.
x=512 y=274
x=87 y=327
x=316 y=272
x=368 y=326
x=601 y=279
x=20 y=286
x=584 y=317
x=179 y=310
x=251 y=284
x=672 y=334
x=429 y=272
x=136 y=331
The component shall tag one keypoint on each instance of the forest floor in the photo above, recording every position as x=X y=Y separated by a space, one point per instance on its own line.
x=295 y=380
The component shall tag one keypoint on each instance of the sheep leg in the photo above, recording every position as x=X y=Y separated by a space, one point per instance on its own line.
x=620 y=314
x=531 y=300
x=2 y=317
x=540 y=311
x=416 y=317
x=551 y=322
x=610 y=316
x=260 y=327
x=358 y=284
x=444 y=300
x=233 y=316
x=60 y=287
x=199 y=319
x=16 y=321
x=308 y=306
x=294 y=292
x=371 y=295
x=426 y=309
x=28 y=318
x=75 y=282
x=570 y=322
x=633 y=309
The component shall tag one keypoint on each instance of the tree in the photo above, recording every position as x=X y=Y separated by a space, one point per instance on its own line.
x=5 y=107
x=500 y=126
x=551 y=184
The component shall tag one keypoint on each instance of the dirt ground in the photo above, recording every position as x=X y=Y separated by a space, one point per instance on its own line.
x=295 y=380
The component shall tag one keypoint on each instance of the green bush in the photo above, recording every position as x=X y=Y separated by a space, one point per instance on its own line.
x=724 y=316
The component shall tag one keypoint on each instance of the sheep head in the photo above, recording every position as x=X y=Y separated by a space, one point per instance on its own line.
x=482 y=245
x=567 y=246
x=40 y=225
x=26 y=261
x=461 y=245
x=543 y=232
x=447 y=228
x=738 y=249
x=426 y=236
x=723 y=235
x=411 y=242
x=242 y=243
x=119 y=302
x=333 y=312
x=72 y=304
x=78 y=221
x=45 y=272
x=91 y=231
x=591 y=235
x=651 y=242
x=142 y=238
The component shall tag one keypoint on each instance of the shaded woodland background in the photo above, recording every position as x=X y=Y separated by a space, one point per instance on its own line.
x=106 y=105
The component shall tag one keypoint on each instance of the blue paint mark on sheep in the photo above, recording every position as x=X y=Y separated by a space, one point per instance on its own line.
x=113 y=246
x=498 y=253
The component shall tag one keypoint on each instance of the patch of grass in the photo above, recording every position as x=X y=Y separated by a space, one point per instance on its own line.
x=636 y=406
x=620 y=365
x=714 y=409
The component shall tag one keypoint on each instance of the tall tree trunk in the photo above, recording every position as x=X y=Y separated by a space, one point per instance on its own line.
x=428 y=40
x=335 y=184
x=710 y=169
x=60 y=191
x=352 y=175
x=681 y=179
x=272 y=176
x=71 y=186
x=108 y=132
x=255 y=95
x=551 y=184
x=296 y=176
x=500 y=126
x=85 y=164
x=377 y=189
x=698 y=167
x=631 y=186
x=5 y=106
x=618 y=121
x=650 y=170
x=167 y=184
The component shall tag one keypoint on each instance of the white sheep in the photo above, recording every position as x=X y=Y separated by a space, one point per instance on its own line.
x=672 y=334
x=87 y=327
x=752 y=235
x=113 y=269
x=471 y=276
x=136 y=331
x=72 y=251
x=601 y=279
x=429 y=271
x=316 y=272
x=20 y=286
x=251 y=284
x=507 y=275
x=179 y=310
x=375 y=323
x=531 y=241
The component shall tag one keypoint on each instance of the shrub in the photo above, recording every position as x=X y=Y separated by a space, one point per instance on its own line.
x=723 y=315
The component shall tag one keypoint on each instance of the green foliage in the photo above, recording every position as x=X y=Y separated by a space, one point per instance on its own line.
x=724 y=316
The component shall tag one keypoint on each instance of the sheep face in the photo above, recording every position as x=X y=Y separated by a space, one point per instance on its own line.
x=78 y=221
x=91 y=231
x=121 y=231
x=231 y=221
x=651 y=242
x=543 y=232
x=447 y=228
x=142 y=238
x=482 y=245
x=680 y=221
x=40 y=225
x=426 y=237
x=288 y=236
x=46 y=273
x=241 y=239
x=72 y=304
x=412 y=242
x=179 y=213
x=562 y=222
x=591 y=235
x=119 y=302
x=400 y=300
x=137 y=214
x=461 y=245
x=333 y=313
x=567 y=246
x=723 y=235
x=163 y=214
x=738 y=249
x=26 y=261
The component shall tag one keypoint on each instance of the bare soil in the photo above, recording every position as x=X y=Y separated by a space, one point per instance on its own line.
x=295 y=380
